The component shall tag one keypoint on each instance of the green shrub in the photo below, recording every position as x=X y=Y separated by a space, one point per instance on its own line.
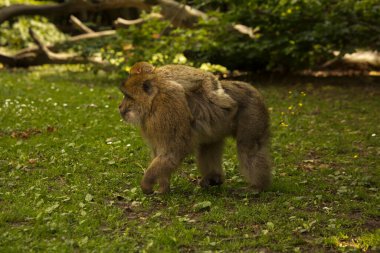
x=15 y=35
x=289 y=34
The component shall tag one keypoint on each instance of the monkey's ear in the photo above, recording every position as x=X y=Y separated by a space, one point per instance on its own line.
x=147 y=87
x=134 y=71
x=137 y=70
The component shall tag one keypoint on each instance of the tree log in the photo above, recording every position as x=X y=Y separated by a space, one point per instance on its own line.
x=65 y=8
x=179 y=14
x=69 y=7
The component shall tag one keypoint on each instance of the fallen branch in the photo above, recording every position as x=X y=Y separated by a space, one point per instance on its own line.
x=54 y=57
x=33 y=50
x=180 y=15
x=120 y=22
x=77 y=23
x=63 y=58
x=361 y=60
x=246 y=30
x=41 y=54
x=93 y=35
x=124 y=23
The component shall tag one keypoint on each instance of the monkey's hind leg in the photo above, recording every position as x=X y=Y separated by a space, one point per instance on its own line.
x=209 y=160
x=159 y=171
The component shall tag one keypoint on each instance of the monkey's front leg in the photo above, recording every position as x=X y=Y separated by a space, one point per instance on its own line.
x=159 y=171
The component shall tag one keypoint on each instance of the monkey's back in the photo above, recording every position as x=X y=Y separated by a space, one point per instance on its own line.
x=183 y=74
x=212 y=122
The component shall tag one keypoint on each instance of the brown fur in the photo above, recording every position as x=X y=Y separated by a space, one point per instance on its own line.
x=141 y=68
x=176 y=122
x=191 y=79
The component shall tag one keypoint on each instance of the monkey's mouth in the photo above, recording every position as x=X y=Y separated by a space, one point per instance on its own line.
x=123 y=113
x=129 y=117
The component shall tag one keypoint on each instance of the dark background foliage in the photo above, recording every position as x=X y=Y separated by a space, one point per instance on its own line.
x=286 y=35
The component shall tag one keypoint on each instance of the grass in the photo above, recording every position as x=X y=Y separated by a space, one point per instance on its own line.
x=70 y=172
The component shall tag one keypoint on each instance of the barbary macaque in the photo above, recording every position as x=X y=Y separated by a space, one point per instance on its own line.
x=191 y=79
x=177 y=122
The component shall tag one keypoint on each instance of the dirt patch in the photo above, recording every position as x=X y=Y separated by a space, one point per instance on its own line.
x=28 y=133
x=25 y=134
x=372 y=223
x=314 y=161
x=132 y=211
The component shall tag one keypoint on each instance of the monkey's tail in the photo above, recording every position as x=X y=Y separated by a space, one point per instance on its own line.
x=255 y=162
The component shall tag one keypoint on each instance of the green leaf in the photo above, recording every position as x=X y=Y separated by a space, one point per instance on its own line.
x=52 y=208
x=83 y=241
x=202 y=206
x=270 y=225
x=89 y=197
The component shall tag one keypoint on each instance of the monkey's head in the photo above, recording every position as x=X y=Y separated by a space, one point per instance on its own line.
x=141 y=68
x=139 y=92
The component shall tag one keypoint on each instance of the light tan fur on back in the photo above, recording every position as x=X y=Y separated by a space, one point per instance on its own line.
x=191 y=79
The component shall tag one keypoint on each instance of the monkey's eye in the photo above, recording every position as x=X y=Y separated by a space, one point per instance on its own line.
x=125 y=93
x=147 y=87
x=127 y=96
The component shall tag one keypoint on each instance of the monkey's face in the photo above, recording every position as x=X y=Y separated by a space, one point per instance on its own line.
x=138 y=94
x=128 y=111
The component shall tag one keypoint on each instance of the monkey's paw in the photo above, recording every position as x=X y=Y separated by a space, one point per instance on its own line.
x=146 y=188
x=211 y=181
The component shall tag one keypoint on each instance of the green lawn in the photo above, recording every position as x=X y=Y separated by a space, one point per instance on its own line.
x=70 y=172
